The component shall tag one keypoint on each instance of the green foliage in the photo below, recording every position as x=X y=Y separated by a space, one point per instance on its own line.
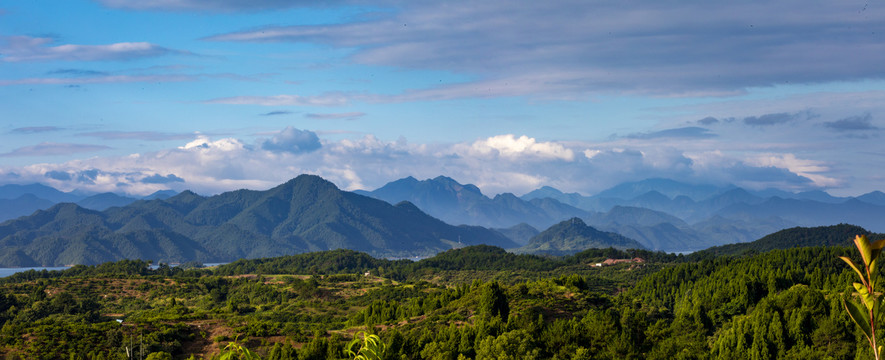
x=305 y=214
x=781 y=304
x=835 y=235
x=236 y=351
x=865 y=312
x=370 y=347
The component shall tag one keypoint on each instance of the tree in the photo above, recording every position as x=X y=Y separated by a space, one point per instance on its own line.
x=493 y=302
x=864 y=313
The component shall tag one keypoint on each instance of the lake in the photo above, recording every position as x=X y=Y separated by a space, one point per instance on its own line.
x=4 y=272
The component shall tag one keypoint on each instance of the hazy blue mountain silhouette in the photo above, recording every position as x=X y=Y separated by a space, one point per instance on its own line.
x=456 y=203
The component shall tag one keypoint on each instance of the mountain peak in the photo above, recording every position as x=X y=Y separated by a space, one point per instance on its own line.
x=572 y=236
x=668 y=187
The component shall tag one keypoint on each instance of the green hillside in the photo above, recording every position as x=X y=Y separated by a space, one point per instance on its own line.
x=572 y=236
x=835 y=235
x=305 y=214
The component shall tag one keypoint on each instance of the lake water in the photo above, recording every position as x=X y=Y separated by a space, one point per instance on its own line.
x=4 y=272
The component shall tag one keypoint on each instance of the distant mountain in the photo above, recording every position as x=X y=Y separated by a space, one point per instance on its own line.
x=304 y=214
x=819 y=196
x=12 y=191
x=23 y=205
x=719 y=215
x=520 y=233
x=573 y=199
x=454 y=203
x=572 y=236
x=21 y=200
x=875 y=198
x=104 y=200
x=667 y=187
x=834 y=235
x=812 y=213
x=653 y=229
x=719 y=230
x=661 y=231
x=161 y=194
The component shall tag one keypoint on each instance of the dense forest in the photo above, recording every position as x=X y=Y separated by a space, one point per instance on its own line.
x=476 y=302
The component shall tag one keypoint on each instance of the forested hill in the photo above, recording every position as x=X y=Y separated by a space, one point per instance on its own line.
x=571 y=236
x=835 y=235
x=781 y=304
x=478 y=257
x=305 y=214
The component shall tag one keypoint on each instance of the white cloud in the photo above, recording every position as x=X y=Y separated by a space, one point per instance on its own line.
x=204 y=144
x=503 y=163
x=509 y=146
x=810 y=169
x=30 y=49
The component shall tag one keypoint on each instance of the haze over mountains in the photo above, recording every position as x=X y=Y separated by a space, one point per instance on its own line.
x=661 y=214
x=310 y=214
x=20 y=200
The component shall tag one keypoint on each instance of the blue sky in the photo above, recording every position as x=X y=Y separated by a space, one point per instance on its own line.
x=137 y=96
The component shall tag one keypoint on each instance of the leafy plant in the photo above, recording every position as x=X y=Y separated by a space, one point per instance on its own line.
x=237 y=351
x=372 y=348
x=864 y=312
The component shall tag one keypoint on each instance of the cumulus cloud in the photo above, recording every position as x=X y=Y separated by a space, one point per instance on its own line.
x=812 y=169
x=502 y=163
x=510 y=146
x=53 y=149
x=292 y=140
x=29 y=49
x=203 y=143
x=574 y=48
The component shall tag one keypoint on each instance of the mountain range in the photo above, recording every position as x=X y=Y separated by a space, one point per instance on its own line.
x=660 y=214
x=309 y=213
x=454 y=203
x=20 y=200
x=305 y=214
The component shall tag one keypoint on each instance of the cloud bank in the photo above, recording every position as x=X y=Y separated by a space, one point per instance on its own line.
x=501 y=163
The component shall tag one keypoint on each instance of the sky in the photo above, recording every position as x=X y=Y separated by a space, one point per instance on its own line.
x=136 y=96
